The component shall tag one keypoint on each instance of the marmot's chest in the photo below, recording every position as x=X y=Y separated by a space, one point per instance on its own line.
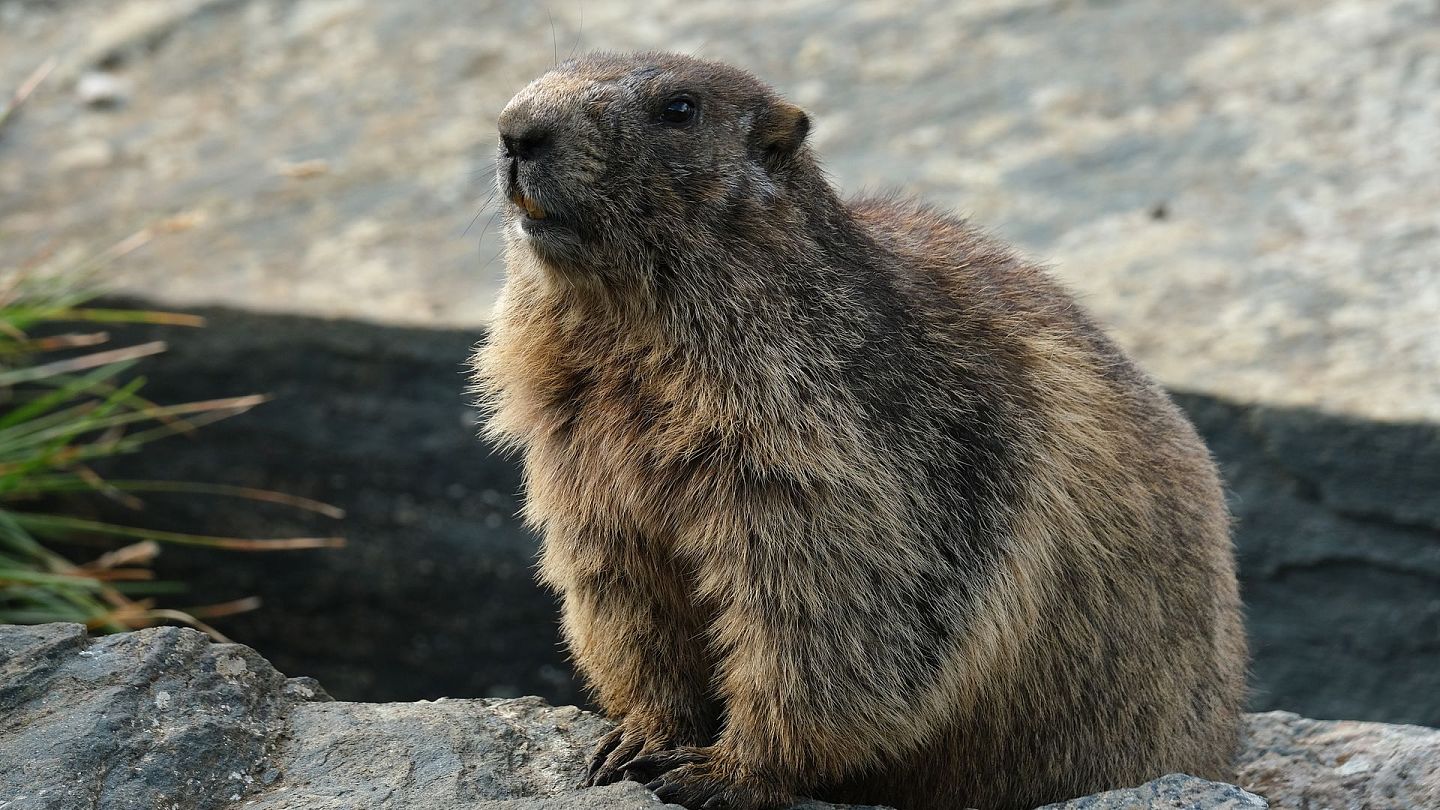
x=627 y=445
x=621 y=434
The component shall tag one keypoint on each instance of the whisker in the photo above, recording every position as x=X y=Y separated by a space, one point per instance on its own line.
x=486 y=265
x=488 y=223
x=472 y=223
x=579 y=33
x=554 y=48
x=483 y=206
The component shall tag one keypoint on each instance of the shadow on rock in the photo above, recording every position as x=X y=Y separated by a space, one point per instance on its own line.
x=1338 y=532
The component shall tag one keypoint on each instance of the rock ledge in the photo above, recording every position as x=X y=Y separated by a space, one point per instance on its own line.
x=162 y=718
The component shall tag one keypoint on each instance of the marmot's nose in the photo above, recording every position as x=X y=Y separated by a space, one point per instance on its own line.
x=527 y=143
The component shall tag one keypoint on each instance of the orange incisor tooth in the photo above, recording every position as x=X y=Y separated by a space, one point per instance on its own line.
x=532 y=208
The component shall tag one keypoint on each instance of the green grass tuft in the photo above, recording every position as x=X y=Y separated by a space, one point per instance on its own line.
x=67 y=399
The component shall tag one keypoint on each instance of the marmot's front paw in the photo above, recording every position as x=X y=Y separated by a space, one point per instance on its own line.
x=694 y=778
x=634 y=737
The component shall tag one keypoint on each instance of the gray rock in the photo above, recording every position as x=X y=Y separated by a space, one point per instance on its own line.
x=1297 y=762
x=408 y=753
x=162 y=718
x=624 y=796
x=1174 y=792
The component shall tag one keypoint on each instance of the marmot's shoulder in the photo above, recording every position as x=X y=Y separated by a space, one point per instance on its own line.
x=948 y=256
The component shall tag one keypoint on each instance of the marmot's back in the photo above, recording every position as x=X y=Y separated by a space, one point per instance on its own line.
x=1115 y=644
x=842 y=500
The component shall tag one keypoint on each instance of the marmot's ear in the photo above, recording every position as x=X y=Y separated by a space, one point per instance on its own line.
x=780 y=132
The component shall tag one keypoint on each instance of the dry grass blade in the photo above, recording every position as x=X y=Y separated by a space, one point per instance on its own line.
x=49 y=344
x=53 y=525
x=112 y=442
x=141 y=552
x=271 y=496
x=40 y=485
x=128 y=245
x=25 y=89
x=81 y=363
x=281 y=544
x=122 y=575
x=100 y=485
x=185 y=618
x=223 y=609
x=249 y=493
x=150 y=316
x=201 y=413
x=143 y=614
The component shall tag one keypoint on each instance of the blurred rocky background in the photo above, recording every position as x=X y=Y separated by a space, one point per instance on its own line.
x=1246 y=191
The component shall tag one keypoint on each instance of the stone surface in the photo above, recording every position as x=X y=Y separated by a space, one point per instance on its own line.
x=1336 y=527
x=337 y=756
x=1297 y=762
x=1246 y=190
x=158 y=719
x=1173 y=792
x=162 y=718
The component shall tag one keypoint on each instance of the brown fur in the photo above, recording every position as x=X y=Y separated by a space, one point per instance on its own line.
x=843 y=499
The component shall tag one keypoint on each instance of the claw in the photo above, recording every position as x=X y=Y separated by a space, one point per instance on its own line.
x=695 y=780
x=617 y=753
x=601 y=755
x=664 y=761
x=615 y=765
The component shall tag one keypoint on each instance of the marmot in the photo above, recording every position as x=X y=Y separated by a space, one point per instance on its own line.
x=844 y=499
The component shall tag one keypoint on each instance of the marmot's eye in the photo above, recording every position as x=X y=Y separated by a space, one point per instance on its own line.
x=678 y=111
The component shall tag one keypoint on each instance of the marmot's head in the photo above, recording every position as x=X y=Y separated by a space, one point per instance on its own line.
x=624 y=166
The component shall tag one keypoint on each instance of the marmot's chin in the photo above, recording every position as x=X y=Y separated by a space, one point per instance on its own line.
x=550 y=240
